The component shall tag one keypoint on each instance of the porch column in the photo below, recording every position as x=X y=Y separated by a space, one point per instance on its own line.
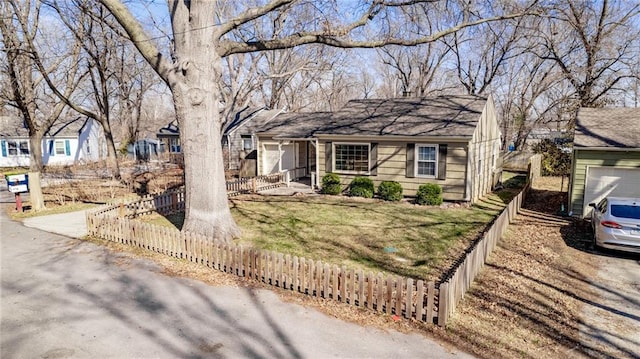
x=279 y=156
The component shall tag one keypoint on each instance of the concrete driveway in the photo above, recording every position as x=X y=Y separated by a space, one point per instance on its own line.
x=64 y=298
x=611 y=321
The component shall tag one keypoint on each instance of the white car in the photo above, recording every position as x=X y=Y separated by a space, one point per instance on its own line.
x=616 y=223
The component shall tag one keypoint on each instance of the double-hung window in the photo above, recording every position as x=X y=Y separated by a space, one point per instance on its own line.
x=352 y=158
x=174 y=145
x=18 y=147
x=426 y=160
x=60 y=148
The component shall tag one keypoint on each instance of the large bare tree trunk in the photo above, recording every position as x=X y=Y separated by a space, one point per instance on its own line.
x=36 y=197
x=196 y=99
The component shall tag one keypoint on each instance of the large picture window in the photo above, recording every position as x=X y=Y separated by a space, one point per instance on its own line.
x=352 y=157
x=426 y=160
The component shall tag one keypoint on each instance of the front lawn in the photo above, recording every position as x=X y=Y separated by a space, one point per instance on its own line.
x=401 y=238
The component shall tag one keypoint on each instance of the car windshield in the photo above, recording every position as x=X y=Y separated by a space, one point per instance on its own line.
x=625 y=211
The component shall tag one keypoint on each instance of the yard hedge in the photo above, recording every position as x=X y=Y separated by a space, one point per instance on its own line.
x=390 y=190
x=331 y=184
x=429 y=194
x=361 y=187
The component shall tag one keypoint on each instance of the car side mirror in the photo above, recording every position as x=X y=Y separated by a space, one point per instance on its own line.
x=592 y=204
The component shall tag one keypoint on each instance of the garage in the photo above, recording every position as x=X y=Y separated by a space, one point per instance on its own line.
x=611 y=181
x=271 y=157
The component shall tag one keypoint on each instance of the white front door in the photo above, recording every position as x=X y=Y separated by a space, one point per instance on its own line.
x=271 y=157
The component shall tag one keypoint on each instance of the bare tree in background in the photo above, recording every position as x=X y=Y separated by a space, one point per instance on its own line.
x=595 y=45
x=94 y=28
x=417 y=69
x=193 y=72
x=480 y=53
x=134 y=80
x=19 y=26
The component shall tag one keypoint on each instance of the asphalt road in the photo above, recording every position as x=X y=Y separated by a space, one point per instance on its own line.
x=64 y=298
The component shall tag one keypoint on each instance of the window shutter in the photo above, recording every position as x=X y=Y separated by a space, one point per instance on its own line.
x=4 y=148
x=442 y=161
x=328 y=147
x=67 y=148
x=373 y=160
x=411 y=149
x=51 y=151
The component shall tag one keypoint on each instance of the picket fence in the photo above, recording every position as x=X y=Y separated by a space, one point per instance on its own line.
x=455 y=285
x=255 y=184
x=392 y=294
x=405 y=297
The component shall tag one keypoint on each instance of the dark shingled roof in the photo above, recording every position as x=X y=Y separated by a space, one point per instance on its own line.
x=454 y=116
x=296 y=125
x=608 y=127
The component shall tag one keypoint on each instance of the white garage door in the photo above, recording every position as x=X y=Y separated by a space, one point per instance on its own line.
x=271 y=156
x=610 y=181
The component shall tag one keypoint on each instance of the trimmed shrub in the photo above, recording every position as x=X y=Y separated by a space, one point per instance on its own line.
x=331 y=184
x=361 y=187
x=390 y=190
x=429 y=194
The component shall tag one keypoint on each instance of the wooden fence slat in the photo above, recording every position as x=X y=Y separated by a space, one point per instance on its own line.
x=319 y=281
x=336 y=282
x=431 y=298
x=343 y=284
x=380 y=299
x=389 y=298
x=295 y=279
x=409 y=299
x=303 y=277
x=325 y=282
x=360 y=284
x=399 y=291
x=420 y=300
x=311 y=282
x=369 y=290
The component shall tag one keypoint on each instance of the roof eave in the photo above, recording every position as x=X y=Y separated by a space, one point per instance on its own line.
x=619 y=149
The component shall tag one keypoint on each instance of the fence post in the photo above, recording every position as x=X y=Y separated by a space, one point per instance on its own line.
x=254 y=185
x=121 y=211
x=287 y=177
x=443 y=301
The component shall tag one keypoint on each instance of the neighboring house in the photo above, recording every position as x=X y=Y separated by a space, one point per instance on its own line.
x=144 y=150
x=239 y=140
x=80 y=140
x=169 y=137
x=606 y=157
x=452 y=141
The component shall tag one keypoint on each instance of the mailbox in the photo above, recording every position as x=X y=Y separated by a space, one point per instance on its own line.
x=18 y=183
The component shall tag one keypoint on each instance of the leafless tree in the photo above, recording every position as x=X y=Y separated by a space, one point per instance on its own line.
x=201 y=41
x=19 y=26
x=594 y=44
x=480 y=53
x=417 y=69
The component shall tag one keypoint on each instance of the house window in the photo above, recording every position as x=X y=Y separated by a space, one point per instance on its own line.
x=247 y=143
x=88 y=147
x=352 y=157
x=426 y=160
x=174 y=145
x=59 y=148
x=18 y=147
